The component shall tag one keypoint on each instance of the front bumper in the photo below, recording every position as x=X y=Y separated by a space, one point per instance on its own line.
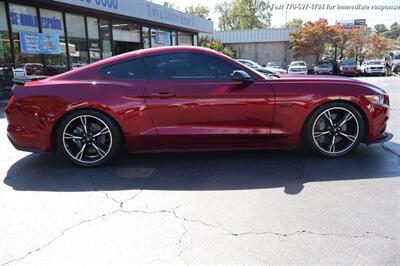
x=371 y=72
x=386 y=136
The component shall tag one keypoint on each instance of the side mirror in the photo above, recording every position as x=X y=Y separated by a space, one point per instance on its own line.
x=242 y=76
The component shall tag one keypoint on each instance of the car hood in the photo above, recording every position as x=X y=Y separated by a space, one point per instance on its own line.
x=323 y=79
x=272 y=69
x=323 y=67
x=298 y=67
x=374 y=66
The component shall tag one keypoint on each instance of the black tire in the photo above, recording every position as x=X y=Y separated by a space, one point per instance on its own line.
x=337 y=112
x=99 y=149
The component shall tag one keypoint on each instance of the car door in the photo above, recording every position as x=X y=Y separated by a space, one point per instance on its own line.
x=192 y=98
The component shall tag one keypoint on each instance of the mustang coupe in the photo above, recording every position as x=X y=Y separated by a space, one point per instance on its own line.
x=186 y=99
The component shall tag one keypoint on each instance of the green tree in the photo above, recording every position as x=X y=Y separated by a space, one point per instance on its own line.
x=199 y=10
x=294 y=23
x=380 y=28
x=225 y=20
x=243 y=14
x=218 y=46
x=394 y=31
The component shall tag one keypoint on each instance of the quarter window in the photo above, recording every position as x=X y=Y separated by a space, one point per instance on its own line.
x=127 y=70
x=188 y=66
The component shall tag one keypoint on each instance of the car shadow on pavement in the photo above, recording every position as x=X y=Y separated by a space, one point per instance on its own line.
x=203 y=171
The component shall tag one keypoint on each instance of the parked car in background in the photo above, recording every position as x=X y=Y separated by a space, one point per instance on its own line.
x=373 y=67
x=323 y=68
x=394 y=61
x=274 y=65
x=261 y=69
x=32 y=68
x=298 y=67
x=349 y=67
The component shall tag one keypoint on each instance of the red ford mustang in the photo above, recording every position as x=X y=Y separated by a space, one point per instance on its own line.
x=190 y=98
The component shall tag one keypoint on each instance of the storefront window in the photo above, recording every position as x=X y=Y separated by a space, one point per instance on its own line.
x=126 y=36
x=52 y=24
x=24 y=21
x=174 y=38
x=6 y=73
x=185 y=38
x=94 y=43
x=106 y=37
x=160 y=38
x=195 y=40
x=78 y=50
x=146 y=37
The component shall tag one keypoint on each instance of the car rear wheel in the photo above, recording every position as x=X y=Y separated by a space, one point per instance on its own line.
x=335 y=129
x=88 y=138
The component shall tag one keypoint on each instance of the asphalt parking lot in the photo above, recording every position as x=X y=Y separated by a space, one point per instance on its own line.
x=247 y=208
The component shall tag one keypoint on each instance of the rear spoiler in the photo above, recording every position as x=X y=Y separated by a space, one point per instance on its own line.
x=20 y=81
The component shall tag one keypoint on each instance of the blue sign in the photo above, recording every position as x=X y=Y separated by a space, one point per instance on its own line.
x=28 y=20
x=39 y=43
x=163 y=37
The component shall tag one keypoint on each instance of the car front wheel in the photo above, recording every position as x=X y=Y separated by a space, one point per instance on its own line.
x=88 y=138
x=335 y=129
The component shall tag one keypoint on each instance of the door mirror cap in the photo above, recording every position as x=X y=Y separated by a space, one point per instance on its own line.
x=242 y=76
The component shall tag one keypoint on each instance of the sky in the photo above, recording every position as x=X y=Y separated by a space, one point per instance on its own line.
x=279 y=17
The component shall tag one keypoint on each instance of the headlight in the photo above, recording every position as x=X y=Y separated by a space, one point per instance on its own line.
x=376 y=99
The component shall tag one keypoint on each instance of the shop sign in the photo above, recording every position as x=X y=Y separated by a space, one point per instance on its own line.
x=39 y=43
x=147 y=11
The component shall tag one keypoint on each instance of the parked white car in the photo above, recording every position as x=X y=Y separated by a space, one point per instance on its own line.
x=298 y=67
x=373 y=67
x=263 y=70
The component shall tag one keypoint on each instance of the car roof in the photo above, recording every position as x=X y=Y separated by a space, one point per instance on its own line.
x=140 y=53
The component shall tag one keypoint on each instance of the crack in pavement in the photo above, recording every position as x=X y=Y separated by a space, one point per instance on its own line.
x=58 y=236
x=119 y=210
x=299 y=232
x=185 y=229
x=121 y=203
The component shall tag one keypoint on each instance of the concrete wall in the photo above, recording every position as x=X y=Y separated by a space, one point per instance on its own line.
x=264 y=52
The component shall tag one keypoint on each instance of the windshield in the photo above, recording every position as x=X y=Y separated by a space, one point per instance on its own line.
x=250 y=63
x=276 y=65
x=373 y=62
x=397 y=56
x=297 y=64
x=348 y=62
x=324 y=64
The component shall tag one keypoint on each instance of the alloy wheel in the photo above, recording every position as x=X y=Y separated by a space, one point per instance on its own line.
x=87 y=139
x=335 y=130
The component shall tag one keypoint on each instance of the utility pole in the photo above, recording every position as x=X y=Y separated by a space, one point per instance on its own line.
x=286 y=17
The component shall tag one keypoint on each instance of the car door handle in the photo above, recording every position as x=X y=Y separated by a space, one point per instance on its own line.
x=163 y=94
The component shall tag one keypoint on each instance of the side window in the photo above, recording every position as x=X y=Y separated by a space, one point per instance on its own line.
x=188 y=66
x=128 y=70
